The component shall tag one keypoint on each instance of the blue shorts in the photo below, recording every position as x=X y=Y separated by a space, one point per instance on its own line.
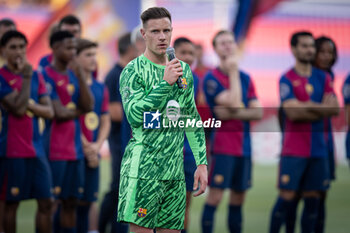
x=2 y=179
x=331 y=162
x=91 y=183
x=28 y=178
x=190 y=168
x=68 y=178
x=231 y=172
x=303 y=174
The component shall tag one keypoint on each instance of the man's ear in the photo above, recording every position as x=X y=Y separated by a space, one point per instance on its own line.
x=143 y=33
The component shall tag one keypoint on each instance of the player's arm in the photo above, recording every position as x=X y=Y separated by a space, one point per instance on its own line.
x=252 y=113
x=137 y=100
x=115 y=102
x=42 y=109
x=300 y=111
x=232 y=97
x=86 y=100
x=196 y=139
x=15 y=102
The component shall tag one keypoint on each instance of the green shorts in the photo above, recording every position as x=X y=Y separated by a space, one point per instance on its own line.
x=152 y=203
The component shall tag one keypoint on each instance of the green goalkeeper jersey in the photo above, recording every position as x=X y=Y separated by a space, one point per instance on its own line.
x=156 y=152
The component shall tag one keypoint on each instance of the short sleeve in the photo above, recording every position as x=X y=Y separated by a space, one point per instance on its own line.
x=112 y=83
x=42 y=86
x=5 y=88
x=50 y=87
x=328 y=89
x=105 y=100
x=346 y=90
x=251 y=94
x=212 y=88
x=286 y=90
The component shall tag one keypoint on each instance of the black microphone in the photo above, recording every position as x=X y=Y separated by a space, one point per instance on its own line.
x=170 y=52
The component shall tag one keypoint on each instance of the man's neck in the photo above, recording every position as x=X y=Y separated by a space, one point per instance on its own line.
x=59 y=66
x=87 y=76
x=157 y=59
x=123 y=61
x=303 y=69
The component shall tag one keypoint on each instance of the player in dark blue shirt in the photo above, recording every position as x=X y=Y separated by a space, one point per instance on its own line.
x=108 y=212
x=185 y=51
x=346 y=96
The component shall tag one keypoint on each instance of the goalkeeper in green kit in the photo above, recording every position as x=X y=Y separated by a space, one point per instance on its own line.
x=152 y=193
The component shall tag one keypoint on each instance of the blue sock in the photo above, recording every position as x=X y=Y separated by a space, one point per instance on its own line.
x=235 y=218
x=278 y=214
x=83 y=218
x=184 y=231
x=308 y=220
x=208 y=218
x=69 y=230
x=321 y=217
x=291 y=216
x=56 y=220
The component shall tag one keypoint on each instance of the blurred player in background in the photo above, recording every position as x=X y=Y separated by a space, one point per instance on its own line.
x=68 y=23
x=108 y=213
x=24 y=99
x=152 y=187
x=346 y=96
x=71 y=98
x=308 y=100
x=326 y=56
x=5 y=25
x=95 y=127
x=231 y=96
x=184 y=49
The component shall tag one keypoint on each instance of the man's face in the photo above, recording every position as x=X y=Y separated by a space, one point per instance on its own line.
x=72 y=28
x=225 y=45
x=15 y=51
x=185 y=52
x=66 y=50
x=4 y=29
x=325 y=56
x=157 y=34
x=87 y=59
x=305 y=49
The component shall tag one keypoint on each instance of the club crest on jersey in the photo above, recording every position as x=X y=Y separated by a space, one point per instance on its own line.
x=184 y=83
x=91 y=121
x=142 y=212
x=70 y=89
x=309 y=88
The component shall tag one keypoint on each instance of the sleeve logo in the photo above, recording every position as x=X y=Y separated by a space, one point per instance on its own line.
x=142 y=212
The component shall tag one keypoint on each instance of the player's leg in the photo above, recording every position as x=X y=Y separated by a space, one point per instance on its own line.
x=15 y=191
x=220 y=178
x=43 y=217
x=42 y=192
x=241 y=182
x=321 y=215
x=190 y=168
x=2 y=193
x=290 y=174
x=187 y=211
x=139 y=203
x=68 y=214
x=2 y=209
x=171 y=215
x=10 y=216
x=138 y=229
x=291 y=216
x=316 y=180
x=160 y=230
x=89 y=197
x=72 y=190
x=93 y=218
